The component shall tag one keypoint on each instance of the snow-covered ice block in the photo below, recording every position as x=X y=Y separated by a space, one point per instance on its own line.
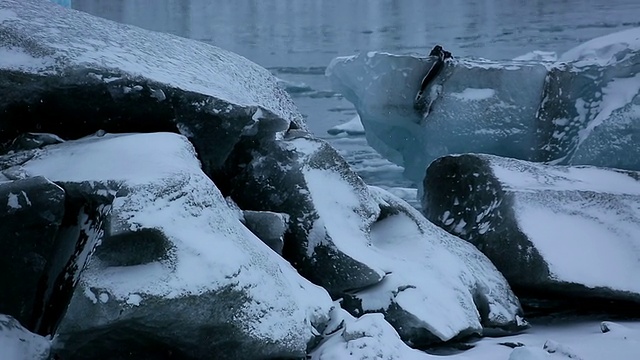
x=32 y=213
x=269 y=226
x=568 y=230
x=176 y=267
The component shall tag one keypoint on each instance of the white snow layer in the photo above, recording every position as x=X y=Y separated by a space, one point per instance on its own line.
x=604 y=50
x=43 y=38
x=585 y=221
x=363 y=338
x=213 y=249
x=18 y=343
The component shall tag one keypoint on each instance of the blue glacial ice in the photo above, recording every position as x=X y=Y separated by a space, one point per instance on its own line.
x=583 y=108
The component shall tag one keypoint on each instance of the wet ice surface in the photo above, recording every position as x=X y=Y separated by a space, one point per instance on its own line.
x=297 y=40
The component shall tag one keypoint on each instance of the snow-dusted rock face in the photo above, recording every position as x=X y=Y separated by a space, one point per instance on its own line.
x=590 y=111
x=17 y=343
x=31 y=213
x=175 y=271
x=438 y=287
x=329 y=206
x=568 y=231
x=583 y=109
x=59 y=65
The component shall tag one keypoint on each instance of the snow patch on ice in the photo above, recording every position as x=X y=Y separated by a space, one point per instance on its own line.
x=13 y=202
x=472 y=94
x=134 y=299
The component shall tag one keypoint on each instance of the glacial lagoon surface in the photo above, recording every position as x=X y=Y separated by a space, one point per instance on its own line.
x=296 y=40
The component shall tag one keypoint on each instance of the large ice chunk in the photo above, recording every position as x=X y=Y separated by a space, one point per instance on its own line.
x=329 y=206
x=569 y=232
x=483 y=105
x=583 y=109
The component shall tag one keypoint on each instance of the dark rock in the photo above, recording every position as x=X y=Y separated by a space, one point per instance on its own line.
x=300 y=175
x=31 y=213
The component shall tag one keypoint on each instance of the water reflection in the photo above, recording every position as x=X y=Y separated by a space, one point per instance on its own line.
x=311 y=33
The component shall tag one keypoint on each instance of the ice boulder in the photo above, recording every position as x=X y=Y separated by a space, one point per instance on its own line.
x=176 y=272
x=566 y=232
x=72 y=74
x=18 y=343
x=438 y=287
x=329 y=206
x=582 y=109
x=484 y=106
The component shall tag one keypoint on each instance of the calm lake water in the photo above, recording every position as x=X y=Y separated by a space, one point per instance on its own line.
x=296 y=39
